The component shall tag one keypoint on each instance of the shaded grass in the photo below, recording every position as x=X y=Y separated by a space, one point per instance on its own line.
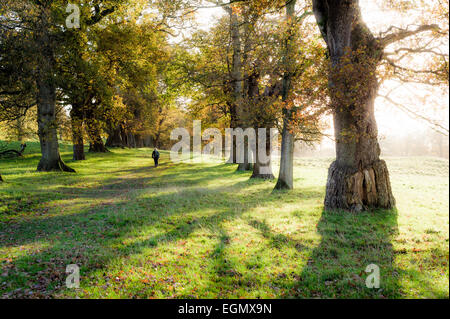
x=203 y=230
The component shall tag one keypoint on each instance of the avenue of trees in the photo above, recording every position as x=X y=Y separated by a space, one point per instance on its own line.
x=135 y=69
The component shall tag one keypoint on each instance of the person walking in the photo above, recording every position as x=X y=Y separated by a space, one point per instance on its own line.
x=155 y=156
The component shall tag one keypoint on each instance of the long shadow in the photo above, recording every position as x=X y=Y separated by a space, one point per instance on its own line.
x=34 y=200
x=350 y=242
x=96 y=235
x=25 y=231
x=226 y=278
x=277 y=240
x=224 y=271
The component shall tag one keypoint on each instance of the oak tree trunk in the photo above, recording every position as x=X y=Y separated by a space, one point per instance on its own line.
x=358 y=179
x=262 y=168
x=114 y=138
x=46 y=101
x=246 y=165
x=236 y=80
x=20 y=129
x=95 y=139
x=286 y=175
x=245 y=92
x=76 y=117
x=97 y=146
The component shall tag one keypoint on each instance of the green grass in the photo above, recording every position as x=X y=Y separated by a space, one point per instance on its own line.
x=205 y=231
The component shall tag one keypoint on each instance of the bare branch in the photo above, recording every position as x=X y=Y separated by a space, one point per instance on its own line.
x=417 y=50
x=404 y=33
x=396 y=66
x=433 y=124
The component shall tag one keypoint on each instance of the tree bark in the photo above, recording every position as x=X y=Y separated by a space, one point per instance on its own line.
x=46 y=100
x=149 y=141
x=262 y=168
x=156 y=141
x=20 y=128
x=97 y=146
x=76 y=117
x=358 y=179
x=233 y=146
x=246 y=165
x=243 y=111
x=286 y=175
x=95 y=139
x=236 y=78
x=115 y=138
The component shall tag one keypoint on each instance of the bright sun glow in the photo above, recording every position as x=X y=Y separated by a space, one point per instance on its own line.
x=392 y=121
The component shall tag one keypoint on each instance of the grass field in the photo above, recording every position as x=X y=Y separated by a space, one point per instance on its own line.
x=205 y=231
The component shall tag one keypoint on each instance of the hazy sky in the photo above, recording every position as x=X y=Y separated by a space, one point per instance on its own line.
x=391 y=120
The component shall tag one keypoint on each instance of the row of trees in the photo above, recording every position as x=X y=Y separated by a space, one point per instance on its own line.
x=109 y=72
x=260 y=69
x=264 y=64
x=253 y=70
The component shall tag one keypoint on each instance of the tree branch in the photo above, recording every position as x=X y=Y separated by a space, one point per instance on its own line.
x=434 y=125
x=405 y=33
x=99 y=15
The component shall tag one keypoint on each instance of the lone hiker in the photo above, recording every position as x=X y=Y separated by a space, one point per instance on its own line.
x=155 y=156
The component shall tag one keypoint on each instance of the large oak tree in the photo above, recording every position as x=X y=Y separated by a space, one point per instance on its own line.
x=358 y=179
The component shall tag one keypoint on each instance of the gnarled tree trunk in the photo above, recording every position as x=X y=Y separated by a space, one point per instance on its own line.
x=358 y=179
x=46 y=101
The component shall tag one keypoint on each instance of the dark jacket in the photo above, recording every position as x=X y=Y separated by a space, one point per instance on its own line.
x=155 y=154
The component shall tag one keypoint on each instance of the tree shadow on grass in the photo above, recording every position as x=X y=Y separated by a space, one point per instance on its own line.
x=276 y=240
x=225 y=277
x=350 y=242
x=238 y=275
x=96 y=235
x=56 y=187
